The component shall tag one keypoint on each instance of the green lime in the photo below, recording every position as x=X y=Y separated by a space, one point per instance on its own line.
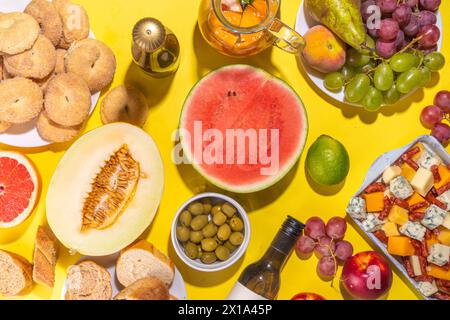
x=327 y=161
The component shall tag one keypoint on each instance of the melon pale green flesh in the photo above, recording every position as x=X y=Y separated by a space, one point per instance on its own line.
x=70 y=185
x=243 y=97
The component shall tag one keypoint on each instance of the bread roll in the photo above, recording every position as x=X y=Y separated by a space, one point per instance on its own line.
x=15 y=274
x=45 y=255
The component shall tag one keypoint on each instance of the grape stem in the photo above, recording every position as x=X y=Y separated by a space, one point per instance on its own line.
x=413 y=42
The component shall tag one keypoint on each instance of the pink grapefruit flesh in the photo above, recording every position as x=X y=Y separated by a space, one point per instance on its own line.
x=18 y=189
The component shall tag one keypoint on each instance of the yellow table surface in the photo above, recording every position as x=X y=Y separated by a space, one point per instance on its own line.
x=365 y=135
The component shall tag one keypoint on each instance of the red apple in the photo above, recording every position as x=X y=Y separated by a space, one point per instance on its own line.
x=366 y=276
x=307 y=296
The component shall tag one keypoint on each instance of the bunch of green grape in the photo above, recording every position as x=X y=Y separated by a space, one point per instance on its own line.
x=372 y=81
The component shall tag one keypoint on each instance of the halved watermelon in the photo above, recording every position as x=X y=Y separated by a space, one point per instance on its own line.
x=248 y=102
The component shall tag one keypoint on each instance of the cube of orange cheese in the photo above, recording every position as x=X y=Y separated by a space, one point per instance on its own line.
x=398 y=215
x=407 y=171
x=444 y=173
x=400 y=246
x=438 y=272
x=444 y=237
x=415 y=199
x=390 y=229
x=374 y=201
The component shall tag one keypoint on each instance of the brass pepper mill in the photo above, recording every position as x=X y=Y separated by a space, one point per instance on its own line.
x=155 y=48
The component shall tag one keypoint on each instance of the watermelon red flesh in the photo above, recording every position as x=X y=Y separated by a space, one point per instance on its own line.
x=16 y=189
x=242 y=97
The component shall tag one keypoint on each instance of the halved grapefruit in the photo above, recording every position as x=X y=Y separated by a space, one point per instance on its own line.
x=19 y=188
x=243 y=103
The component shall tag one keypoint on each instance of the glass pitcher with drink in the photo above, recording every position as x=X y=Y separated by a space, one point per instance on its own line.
x=242 y=28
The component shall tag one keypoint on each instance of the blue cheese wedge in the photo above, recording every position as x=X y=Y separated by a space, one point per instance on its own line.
x=372 y=223
x=357 y=208
x=445 y=198
x=434 y=217
x=439 y=254
x=427 y=160
x=401 y=188
x=427 y=288
x=413 y=230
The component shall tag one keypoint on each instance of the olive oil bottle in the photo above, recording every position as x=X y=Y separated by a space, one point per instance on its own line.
x=261 y=280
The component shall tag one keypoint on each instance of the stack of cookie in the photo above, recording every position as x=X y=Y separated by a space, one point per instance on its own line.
x=49 y=68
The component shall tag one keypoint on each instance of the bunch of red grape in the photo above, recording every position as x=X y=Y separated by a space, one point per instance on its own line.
x=404 y=22
x=432 y=117
x=326 y=242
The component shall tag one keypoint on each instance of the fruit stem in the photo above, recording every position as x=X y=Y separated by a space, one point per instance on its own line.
x=410 y=44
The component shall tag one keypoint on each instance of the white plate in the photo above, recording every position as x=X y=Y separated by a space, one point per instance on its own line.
x=26 y=135
x=178 y=288
x=303 y=23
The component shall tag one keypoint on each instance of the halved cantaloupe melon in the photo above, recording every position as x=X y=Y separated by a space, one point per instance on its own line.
x=105 y=190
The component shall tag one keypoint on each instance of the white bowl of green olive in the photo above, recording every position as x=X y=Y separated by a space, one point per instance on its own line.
x=210 y=232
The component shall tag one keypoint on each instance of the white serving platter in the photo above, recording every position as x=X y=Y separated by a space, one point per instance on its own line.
x=26 y=135
x=303 y=23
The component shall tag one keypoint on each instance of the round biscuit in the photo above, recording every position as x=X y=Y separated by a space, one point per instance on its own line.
x=37 y=63
x=124 y=104
x=67 y=100
x=53 y=132
x=21 y=100
x=48 y=18
x=75 y=21
x=4 y=126
x=59 y=68
x=94 y=61
x=18 y=32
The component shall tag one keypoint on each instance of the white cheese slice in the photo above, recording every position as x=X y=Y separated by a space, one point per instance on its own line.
x=423 y=181
x=391 y=173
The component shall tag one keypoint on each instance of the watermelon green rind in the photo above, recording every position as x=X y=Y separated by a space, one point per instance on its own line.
x=270 y=181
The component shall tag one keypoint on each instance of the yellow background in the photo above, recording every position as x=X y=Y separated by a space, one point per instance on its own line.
x=365 y=135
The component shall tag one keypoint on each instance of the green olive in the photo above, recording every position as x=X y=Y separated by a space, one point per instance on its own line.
x=191 y=250
x=185 y=218
x=236 y=224
x=229 y=246
x=219 y=218
x=228 y=209
x=209 y=230
x=208 y=257
x=236 y=238
x=216 y=209
x=209 y=244
x=222 y=253
x=200 y=252
x=183 y=233
x=196 y=236
x=199 y=222
x=207 y=208
x=224 y=232
x=196 y=208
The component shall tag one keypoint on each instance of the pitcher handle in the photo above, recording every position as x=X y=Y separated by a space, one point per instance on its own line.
x=286 y=38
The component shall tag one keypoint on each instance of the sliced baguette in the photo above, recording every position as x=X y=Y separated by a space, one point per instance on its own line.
x=142 y=260
x=15 y=274
x=88 y=281
x=45 y=255
x=145 y=289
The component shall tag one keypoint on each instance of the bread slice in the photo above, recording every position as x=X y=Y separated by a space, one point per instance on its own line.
x=142 y=260
x=45 y=255
x=145 y=289
x=15 y=274
x=88 y=281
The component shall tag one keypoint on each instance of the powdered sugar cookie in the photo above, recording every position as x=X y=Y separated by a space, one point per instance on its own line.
x=21 y=100
x=53 y=132
x=18 y=32
x=124 y=104
x=48 y=18
x=75 y=22
x=94 y=61
x=38 y=62
x=67 y=100
x=4 y=126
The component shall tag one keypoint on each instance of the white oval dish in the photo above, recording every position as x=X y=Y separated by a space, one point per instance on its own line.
x=26 y=135
x=302 y=24
x=178 y=288
x=220 y=265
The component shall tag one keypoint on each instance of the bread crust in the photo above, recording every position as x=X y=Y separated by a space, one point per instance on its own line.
x=25 y=274
x=145 y=289
x=45 y=256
